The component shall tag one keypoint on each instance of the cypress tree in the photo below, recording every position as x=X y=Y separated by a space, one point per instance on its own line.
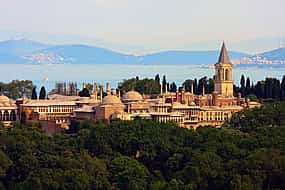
x=242 y=85
x=34 y=94
x=157 y=78
x=84 y=93
x=247 y=87
x=173 y=87
x=195 y=86
x=283 y=88
x=42 y=95
x=164 y=82
x=259 y=89
x=276 y=89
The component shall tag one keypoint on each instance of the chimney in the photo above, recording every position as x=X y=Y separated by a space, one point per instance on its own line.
x=177 y=96
x=108 y=88
x=215 y=98
x=239 y=99
x=101 y=93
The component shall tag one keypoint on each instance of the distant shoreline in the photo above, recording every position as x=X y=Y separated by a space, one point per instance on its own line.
x=142 y=64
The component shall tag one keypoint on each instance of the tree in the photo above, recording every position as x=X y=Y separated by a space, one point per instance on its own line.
x=173 y=87
x=202 y=85
x=84 y=93
x=188 y=85
x=195 y=86
x=16 y=89
x=259 y=89
x=143 y=86
x=127 y=173
x=42 y=95
x=34 y=94
x=157 y=78
x=242 y=85
x=247 y=87
x=283 y=88
x=164 y=83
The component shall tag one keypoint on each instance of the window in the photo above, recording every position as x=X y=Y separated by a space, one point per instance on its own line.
x=227 y=74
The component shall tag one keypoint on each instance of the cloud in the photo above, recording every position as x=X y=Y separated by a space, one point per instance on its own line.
x=112 y=3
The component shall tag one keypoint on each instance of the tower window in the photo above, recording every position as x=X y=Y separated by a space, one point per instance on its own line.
x=227 y=74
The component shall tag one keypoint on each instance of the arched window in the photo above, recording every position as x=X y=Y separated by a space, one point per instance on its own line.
x=219 y=75
x=6 y=116
x=13 y=116
x=227 y=74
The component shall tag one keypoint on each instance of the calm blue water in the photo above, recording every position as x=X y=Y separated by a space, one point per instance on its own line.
x=117 y=73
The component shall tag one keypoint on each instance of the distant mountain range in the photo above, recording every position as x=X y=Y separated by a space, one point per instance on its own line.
x=26 y=51
x=274 y=57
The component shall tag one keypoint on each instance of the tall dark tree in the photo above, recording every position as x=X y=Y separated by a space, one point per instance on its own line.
x=247 y=87
x=164 y=83
x=34 y=94
x=195 y=86
x=283 y=88
x=242 y=85
x=42 y=95
x=210 y=86
x=202 y=85
x=84 y=93
x=268 y=88
x=188 y=85
x=173 y=87
x=157 y=78
x=276 y=89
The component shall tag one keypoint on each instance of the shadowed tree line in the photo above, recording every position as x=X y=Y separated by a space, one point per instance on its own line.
x=248 y=153
x=270 y=88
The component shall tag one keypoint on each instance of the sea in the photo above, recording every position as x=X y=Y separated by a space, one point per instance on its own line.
x=48 y=75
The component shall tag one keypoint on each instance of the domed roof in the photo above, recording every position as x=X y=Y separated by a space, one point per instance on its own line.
x=5 y=101
x=111 y=100
x=132 y=96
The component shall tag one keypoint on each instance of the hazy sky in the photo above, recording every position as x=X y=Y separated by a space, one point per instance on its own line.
x=146 y=25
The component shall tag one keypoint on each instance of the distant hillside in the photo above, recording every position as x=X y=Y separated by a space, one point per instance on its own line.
x=277 y=54
x=274 y=57
x=187 y=57
x=80 y=54
x=25 y=51
x=20 y=47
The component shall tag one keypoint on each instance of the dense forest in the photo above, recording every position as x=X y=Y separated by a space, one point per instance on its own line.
x=247 y=153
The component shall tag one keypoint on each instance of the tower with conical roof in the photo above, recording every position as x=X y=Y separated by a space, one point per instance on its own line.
x=223 y=74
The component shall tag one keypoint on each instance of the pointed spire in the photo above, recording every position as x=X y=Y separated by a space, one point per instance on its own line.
x=224 y=57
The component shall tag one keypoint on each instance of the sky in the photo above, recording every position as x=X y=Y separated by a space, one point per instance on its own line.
x=141 y=26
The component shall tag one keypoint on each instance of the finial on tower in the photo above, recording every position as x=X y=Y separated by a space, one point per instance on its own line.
x=224 y=57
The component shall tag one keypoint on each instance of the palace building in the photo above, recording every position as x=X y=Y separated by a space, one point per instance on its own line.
x=185 y=108
x=8 y=111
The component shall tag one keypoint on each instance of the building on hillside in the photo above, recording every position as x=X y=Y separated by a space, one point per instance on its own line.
x=8 y=111
x=185 y=108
